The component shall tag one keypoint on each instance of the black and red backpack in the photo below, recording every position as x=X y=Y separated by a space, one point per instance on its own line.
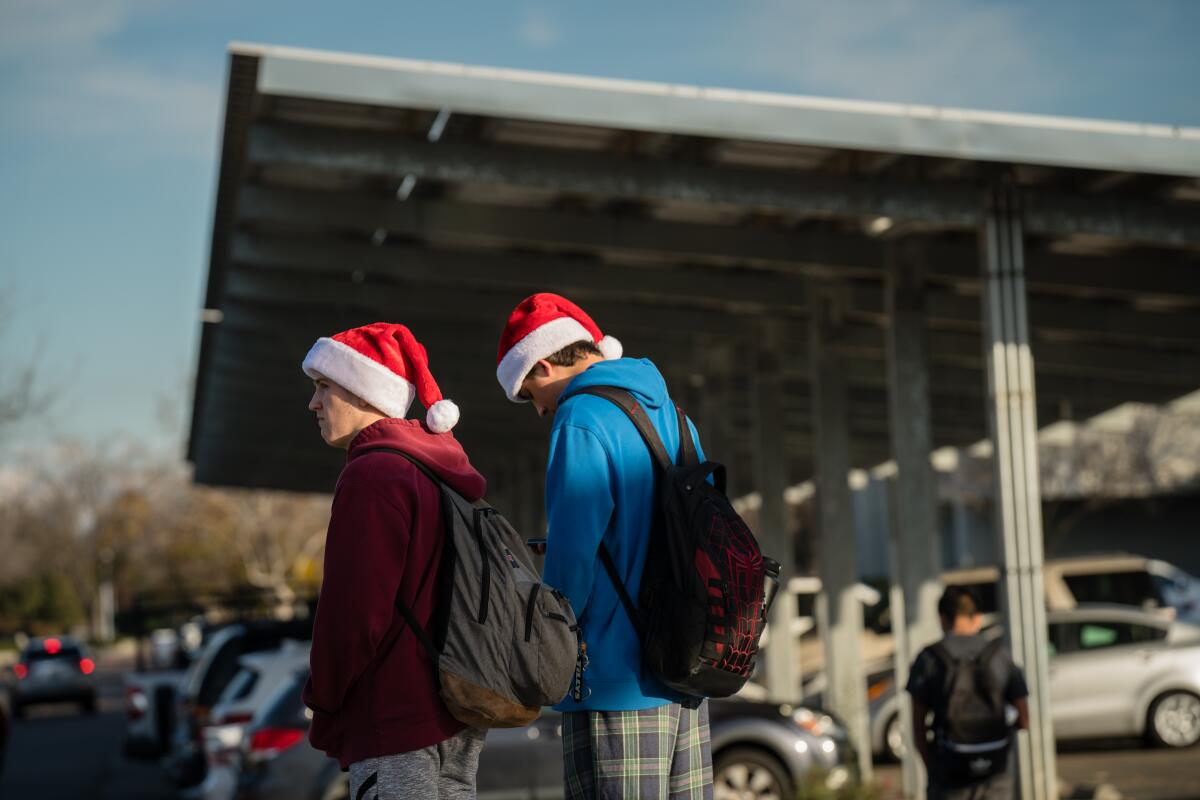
x=707 y=586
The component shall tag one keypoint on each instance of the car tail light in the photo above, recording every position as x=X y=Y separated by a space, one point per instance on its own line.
x=21 y=670
x=87 y=666
x=221 y=743
x=878 y=689
x=52 y=646
x=267 y=743
x=136 y=704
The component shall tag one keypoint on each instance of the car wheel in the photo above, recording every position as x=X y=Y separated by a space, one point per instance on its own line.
x=893 y=739
x=747 y=774
x=1174 y=720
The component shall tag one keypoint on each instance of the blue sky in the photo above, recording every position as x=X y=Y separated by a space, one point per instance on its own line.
x=110 y=111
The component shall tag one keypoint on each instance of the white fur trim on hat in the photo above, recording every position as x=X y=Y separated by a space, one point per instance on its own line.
x=610 y=347
x=361 y=376
x=537 y=344
x=441 y=416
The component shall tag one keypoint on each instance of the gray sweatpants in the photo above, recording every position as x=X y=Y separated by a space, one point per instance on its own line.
x=443 y=771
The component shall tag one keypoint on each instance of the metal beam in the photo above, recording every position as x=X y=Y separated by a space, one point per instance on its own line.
x=750 y=291
x=950 y=203
x=841 y=614
x=774 y=532
x=915 y=563
x=610 y=176
x=1012 y=423
x=442 y=220
x=949 y=259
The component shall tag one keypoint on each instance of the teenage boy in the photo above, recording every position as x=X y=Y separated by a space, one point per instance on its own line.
x=624 y=733
x=997 y=683
x=372 y=689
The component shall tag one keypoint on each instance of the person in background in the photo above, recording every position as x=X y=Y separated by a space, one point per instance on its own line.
x=969 y=681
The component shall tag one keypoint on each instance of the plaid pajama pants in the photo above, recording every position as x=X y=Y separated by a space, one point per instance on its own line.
x=653 y=753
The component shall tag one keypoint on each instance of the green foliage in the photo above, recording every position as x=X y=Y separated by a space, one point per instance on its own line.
x=41 y=604
x=815 y=785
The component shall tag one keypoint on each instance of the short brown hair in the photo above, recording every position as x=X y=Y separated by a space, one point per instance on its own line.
x=573 y=353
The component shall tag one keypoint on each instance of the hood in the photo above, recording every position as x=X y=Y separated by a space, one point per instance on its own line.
x=441 y=452
x=636 y=375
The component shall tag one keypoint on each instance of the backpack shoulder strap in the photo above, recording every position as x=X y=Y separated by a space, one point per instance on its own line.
x=614 y=575
x=417 y=628
x=633 y=409
x=687 y=448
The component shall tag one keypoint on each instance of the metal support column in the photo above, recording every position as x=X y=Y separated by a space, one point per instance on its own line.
x=841 y=613
x=1012 y=423
x=914 y=531
x=783 y=656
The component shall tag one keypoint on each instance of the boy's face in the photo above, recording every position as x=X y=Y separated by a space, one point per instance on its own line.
x=340 y=415
x=544 y=384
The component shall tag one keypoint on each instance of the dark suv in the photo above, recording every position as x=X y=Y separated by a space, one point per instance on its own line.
x=54 y=669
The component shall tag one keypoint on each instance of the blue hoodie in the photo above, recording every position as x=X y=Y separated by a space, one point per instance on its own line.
x=600 y=487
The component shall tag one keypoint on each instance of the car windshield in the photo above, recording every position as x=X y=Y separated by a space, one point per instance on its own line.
x=62 y=654
x=1134 y=588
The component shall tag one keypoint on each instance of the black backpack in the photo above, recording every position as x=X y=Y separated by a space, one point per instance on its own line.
x=704 y=592
x=974 y=735
x=503 y=643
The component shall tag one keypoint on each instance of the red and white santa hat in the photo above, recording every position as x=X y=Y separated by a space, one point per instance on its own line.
x=540 y=326
x=384 y=364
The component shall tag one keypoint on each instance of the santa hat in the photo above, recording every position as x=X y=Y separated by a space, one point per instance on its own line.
x=538 y=328
x=384 y=364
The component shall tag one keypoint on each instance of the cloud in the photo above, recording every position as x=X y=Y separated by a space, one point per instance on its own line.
x=943 y=52
x=538 y=30
x=64 y=80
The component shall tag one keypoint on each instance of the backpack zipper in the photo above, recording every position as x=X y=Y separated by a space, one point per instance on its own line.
x=530 y=605
x=486 y=577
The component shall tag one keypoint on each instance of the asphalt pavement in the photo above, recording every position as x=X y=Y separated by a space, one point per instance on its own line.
x=1135 y=771
x=57 y=753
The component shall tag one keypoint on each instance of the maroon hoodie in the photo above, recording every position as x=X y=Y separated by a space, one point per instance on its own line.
x=372 y=689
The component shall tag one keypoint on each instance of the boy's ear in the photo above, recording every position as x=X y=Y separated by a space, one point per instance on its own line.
x=541 y=369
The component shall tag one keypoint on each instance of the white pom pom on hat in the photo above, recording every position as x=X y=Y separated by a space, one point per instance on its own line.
x=611 y=347
x=441 y=416
x=385 y=365
x=540 y=326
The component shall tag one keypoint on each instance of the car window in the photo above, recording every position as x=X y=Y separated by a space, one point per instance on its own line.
x=1096 y=635
x=286 y=708
x=1147 y=633
x=64 y=654
x=241 y=686
x=1124 y=588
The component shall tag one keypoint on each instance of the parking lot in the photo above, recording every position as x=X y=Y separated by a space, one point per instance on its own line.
x=57 y=754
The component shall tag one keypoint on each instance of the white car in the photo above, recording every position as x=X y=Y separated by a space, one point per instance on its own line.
x=1117 y=671
x=257 y=681
x=1145 y=583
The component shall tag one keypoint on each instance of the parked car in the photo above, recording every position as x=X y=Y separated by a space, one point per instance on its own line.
x=1146 y=583
x=260 y=675
x=215 y=665
x=1114 y=671
x=1118 y=671
x=54 y=669
x=759 y=750
x=150 y=703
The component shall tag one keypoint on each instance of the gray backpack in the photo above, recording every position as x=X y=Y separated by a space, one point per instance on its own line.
x=503 y=643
